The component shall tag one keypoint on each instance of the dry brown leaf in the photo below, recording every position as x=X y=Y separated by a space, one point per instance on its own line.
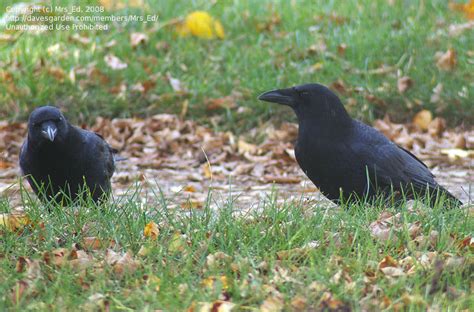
x=227 y=102
x=387 y=261
x=138 y=38
x=437 y=127
x=423 y=119
x=216 y=306
x=272 y=303
x=95 y=243
x=121 y=263
x=329 y=303
x=299 y=303
x=272 y=20
x=19 y=291
x=341 y=49
x=245 y=147
x=15 y=221
x=404 y=83
x=57 y=73
x=192 y=204
x=460 y=142
x=446 y=61
x=176 y=84
x=455 y=30
x=393 y=272
x=114 y=62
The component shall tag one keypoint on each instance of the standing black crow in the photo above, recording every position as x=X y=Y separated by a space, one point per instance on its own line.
x=59 y=158
x=345 y=158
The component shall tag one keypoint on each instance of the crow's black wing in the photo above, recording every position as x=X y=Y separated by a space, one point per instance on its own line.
x=391 y=166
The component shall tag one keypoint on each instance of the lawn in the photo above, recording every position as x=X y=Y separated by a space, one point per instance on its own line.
x=361 y=48
x=277 y=251
x=291 y=256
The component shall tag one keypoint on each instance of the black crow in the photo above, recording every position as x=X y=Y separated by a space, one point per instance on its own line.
x=347 y=159
x=60 y=159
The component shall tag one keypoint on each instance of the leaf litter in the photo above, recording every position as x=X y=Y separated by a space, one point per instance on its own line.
x=186 y=160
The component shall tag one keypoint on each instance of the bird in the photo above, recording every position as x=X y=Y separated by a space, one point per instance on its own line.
x=59 y=159
x=347 y=160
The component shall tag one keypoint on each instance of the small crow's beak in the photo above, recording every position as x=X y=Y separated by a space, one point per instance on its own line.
x=281 y=96
x=49 y=130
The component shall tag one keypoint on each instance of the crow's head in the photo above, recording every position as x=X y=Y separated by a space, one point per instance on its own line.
x=311 y=102
x=47 y=125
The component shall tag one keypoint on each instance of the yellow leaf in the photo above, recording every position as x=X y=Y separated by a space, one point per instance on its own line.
x=151 y=230
x=201 y=24
x=468 y=9
x=210 y=281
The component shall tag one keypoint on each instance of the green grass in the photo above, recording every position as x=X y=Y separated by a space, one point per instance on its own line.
x=407 y=34
x=256 y=262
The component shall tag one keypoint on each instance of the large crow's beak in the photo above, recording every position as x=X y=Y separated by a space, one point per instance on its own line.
x=49 y=130
x=281 y=96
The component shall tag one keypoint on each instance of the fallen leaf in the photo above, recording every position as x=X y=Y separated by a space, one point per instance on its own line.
x=201 y=24
x=245 y=147
x=272 y=304
x=121 y=263
x=210 y=282
x=404 y=83
x=455 y=30
x=226 y=102
x=446 y=61
x=192 y=204
x=138 y=38
x=341 y=49
x=95 y=243
x=456 y=153
x=216 y=306
x=436 y=96
x=151 y=230
x=114 y=62
x=387 y=261
x=299 y=303
x=175 y=83
x=57 y=72
x=15 y=221
x=393 y=272
x=422 y=119
x=436 y=127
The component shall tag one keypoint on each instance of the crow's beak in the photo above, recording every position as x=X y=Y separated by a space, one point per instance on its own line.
x=49 y=130
x=281 y=96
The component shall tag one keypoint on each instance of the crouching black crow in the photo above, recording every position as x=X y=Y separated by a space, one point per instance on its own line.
x=347 y=159
x=59 y=159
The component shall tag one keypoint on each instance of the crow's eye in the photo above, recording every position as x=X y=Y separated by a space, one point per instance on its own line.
x=304 y=93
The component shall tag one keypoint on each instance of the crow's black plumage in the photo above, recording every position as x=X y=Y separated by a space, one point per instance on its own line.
x=59 y=158
x=346 y=158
